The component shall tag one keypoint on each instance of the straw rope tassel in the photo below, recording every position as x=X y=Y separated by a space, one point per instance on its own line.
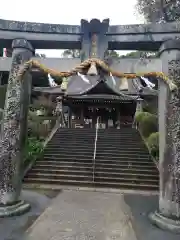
x=92 y=70
x=93 y=62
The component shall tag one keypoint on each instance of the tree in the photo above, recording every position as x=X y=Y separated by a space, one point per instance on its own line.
x=159 y=10
x=40 y=55
x=71 y=53
x=139 y=54
x=76 y=53
x=112 y=54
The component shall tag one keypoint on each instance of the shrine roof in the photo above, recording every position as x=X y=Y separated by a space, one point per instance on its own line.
x=109 y=97
x=87 y=84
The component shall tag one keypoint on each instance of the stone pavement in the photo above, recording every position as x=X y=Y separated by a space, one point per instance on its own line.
x=13 y=228
x=77 y=215
x=80 y=215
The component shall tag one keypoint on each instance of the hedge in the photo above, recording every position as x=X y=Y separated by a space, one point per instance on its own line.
x=153 y=144
x=147 y=122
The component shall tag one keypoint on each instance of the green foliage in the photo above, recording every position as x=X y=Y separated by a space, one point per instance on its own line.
x=148 y=123
x=71 y=53
x=159 y=10
x=140 y=54
x=151 y=107
x=153 y=144
x=139 y=116
x=44 y=103
x=40 y=126
x=33 y=149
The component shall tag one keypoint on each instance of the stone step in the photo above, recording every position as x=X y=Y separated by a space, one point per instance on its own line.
x=99 y=134
x=116 y=153
x=100 y=131
x=113 y=165
x=75 y=141
x=100 y=148
x=134 y=135
x=69 y=155
x=122 y=160
x=97 y=173
x=80 y=136
x=139 y=186
x=83 y=156
x=99 y=154
x=72 y=144
x=124 y=179
x=67 y=149
x=74 y=166
x=99 y=144
x=100 y=138
x=132 y=155
x=109 y=130
x=127 y=159
x=84 y=144
x=123 y=151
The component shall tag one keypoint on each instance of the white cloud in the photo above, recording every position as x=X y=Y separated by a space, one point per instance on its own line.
x=69 y=12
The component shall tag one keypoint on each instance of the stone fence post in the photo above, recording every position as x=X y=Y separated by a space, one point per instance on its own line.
x=168 y=214
x=13 y=132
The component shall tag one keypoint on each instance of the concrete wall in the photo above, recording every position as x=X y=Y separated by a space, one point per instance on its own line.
x=122 y=65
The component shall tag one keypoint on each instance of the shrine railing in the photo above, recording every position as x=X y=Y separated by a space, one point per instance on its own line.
x=95 y=146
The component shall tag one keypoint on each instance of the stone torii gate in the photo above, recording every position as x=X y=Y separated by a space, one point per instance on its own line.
x=162 y=37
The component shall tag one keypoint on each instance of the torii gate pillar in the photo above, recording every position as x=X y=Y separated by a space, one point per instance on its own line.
x=168 y=215
x=94 y=39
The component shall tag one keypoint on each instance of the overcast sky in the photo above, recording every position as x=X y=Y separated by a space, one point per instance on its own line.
x=119 y=12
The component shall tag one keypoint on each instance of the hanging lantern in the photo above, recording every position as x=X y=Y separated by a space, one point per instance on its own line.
x=139 y=107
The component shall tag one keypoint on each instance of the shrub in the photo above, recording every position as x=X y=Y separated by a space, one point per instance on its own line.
x=33 y=149
x=38 y=130
x=139 y=116
x=148 y=123
x=153 y=144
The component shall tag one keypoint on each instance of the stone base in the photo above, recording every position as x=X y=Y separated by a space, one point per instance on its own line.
x=165 y=223
x=17 y=209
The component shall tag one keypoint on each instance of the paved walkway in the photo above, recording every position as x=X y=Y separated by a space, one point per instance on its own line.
x=78 y=215
x=85 y=216
x=13 y=228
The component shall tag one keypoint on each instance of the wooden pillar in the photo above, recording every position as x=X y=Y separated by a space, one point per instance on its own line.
x=70 y=118
x=93 y=118
x=13 y=131
x=118 y=117
x=168 y=214
x=82 y=116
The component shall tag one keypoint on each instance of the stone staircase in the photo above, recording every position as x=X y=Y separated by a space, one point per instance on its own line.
x=122 y=160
